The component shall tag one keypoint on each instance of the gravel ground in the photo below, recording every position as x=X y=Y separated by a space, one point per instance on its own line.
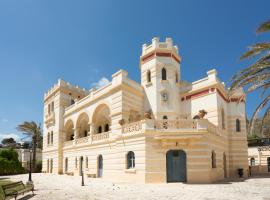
x=53 y=187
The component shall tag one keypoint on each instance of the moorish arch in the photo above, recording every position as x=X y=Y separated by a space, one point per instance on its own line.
x=69 y=130
x=82 y=125
x=101 y=118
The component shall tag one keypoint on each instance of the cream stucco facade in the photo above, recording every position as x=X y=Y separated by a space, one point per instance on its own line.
x=145 y=132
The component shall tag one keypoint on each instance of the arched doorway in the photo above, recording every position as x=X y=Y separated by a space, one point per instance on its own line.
x=81 y=165
x=100 y=166
x=176 y=166
x=225 y=165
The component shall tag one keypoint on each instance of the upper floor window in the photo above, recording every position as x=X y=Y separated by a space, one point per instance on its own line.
x=130 y=160
x=213 y=159
x=52 y=137
x=164 y=74
x=48 y=138
x=148 y=74
x=238 y=125
x=49 y=108
x=76 y=162
x=176 y=77
x=52 y=106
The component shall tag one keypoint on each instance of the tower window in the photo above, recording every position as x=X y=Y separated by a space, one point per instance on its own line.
x=148 y=76
x=238 y=125
x=52 y=106
x=176 y=77
x=164 y=74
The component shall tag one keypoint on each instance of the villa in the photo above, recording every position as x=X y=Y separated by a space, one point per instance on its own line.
x=160 y=130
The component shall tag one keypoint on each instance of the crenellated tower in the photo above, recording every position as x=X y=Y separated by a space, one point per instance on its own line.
x=160 y=76
x=60 y=96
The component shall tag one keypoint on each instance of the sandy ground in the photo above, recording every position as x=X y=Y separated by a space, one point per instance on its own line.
x=52 y=187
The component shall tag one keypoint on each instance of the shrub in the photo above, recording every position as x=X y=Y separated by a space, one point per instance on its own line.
x=9 y=163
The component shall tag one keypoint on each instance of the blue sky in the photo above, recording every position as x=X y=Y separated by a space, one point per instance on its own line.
x=85 y=41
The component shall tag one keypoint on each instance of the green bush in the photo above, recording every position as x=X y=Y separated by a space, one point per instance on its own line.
x=9 y=163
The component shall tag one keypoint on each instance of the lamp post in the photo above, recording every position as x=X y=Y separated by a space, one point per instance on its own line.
x=30 y=168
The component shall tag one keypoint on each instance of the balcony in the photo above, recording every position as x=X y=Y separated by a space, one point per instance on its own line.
x=50 y=118
x=164 y=127
x=88 y=140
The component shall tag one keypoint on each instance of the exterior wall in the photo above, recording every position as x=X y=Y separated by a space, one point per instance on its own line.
x=261 y=164
x=121 y=106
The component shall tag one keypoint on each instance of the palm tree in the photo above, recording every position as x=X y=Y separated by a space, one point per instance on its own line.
x=33 y=130
x=257 y=75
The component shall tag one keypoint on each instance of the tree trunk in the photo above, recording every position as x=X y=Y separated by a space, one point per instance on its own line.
x=34 y=148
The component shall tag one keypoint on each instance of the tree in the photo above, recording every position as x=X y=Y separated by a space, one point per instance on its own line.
x=257 y=75
x=9 y=142
x=34 y=131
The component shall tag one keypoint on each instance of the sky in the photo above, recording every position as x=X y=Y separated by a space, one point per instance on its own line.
x=84 y=42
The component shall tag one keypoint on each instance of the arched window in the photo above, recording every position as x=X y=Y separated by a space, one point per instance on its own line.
x=85 y=133
x=72 y=101
x=213 y=159
x=238 y=125
x=52 y=106
x=76 y=162
x=252 y=161
x=165 y=122
x=176 y=77
x=100 y=129
x=223 y=119
x=49 y=108
x=148 y=74
x=86 y=162
x=52 y=137
x=48 y=138
x=164 y=74
x=106 y=128
x=130 y=160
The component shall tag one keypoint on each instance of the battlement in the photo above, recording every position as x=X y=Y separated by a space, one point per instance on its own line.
x=62 y=84
x=156 y=44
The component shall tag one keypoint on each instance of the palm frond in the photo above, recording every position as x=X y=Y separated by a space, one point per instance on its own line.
x=256 y=49
x=264 y=27
x=263 y=119
x=258 y=109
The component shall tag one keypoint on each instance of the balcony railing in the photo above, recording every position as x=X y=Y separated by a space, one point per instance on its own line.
x=100 y=136
x=170 y=125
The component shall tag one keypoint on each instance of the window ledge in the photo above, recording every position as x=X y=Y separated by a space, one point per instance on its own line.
x=164 y=81
x=131 y=171
x=148 y=84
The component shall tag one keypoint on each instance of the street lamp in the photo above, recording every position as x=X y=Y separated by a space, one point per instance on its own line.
x=30 y=168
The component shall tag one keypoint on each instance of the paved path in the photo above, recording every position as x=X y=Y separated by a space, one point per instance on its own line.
x=68 y=187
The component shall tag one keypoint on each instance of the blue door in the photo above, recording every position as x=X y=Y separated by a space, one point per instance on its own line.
x=176 y=166
x=100 y=166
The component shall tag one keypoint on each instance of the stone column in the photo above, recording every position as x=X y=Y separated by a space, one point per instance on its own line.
x=76 y=135
x=92 y=128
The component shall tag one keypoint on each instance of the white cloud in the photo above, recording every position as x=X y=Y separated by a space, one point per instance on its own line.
x=10 y=135
x=4 y=120
x=102 y=82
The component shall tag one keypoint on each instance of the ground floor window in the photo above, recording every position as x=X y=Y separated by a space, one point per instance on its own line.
x=213 y=158
x=130 y=160
x=252 y=161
